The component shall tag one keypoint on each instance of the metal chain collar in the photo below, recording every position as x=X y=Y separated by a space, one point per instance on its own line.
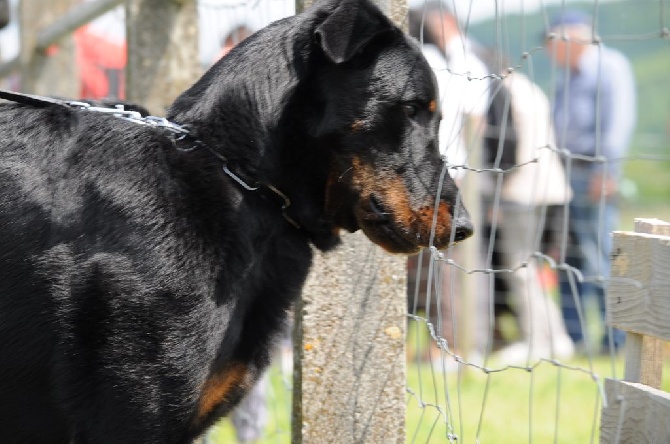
x=181 y=132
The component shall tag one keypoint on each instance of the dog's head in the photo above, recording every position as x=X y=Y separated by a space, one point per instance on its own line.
x=339 y=109
x=378 y=115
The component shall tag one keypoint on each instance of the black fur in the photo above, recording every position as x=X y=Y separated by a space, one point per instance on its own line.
x=141 y=287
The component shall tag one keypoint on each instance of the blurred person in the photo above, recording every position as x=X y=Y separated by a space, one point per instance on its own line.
x=5 y=15
x=461 y=77
x=463 y=90
x=102 y=64
x=520 y=140
x=594 y=117
x=233 y=38
x=251 y=416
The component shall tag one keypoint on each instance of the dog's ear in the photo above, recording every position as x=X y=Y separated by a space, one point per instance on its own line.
x=349 y=28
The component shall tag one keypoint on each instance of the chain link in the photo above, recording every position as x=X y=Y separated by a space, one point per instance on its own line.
x=133 y=116
x=182 y=132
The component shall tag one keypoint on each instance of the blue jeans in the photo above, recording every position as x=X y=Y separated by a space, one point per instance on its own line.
x=591 y=225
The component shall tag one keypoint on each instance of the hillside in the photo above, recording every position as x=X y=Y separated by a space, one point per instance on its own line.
x=634 y=27
x=630 y=26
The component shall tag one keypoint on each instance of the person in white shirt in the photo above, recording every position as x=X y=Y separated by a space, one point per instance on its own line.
x=463 y=86
x=535 y=181
x=462 y=82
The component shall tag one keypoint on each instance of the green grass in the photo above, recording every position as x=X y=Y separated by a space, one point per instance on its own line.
x=548 y=404
x=278 y=428
x=631 y=210
x=651 y=184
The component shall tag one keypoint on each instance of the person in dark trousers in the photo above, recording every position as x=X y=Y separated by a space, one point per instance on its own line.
x=594 y=117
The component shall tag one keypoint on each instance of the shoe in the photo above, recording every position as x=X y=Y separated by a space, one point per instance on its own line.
x=521 y=353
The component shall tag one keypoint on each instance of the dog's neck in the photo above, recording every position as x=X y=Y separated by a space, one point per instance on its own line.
x=239 y=100
x=245 y=101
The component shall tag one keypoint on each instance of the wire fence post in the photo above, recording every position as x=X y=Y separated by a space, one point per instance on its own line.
x=50 y=71
x=162 y=38
x=349 y=338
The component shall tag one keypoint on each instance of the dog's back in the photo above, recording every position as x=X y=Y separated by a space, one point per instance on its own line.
x=26 y=314
x=126 y=269
x=79 y=195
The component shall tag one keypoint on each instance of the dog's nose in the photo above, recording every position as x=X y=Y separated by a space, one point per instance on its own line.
x=464 y=229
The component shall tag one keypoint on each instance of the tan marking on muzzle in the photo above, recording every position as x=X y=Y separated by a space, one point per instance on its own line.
x=418 y=221
x=389 y=188
x=432 y=106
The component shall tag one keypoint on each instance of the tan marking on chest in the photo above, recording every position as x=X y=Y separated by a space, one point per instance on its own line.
x=217 y=388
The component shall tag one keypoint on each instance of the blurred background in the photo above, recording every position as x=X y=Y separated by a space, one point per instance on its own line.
x=458 y=388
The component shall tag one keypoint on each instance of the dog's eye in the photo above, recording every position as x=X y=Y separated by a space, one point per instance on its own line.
x=410 y=109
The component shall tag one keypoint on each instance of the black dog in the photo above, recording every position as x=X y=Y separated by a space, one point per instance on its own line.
x=142 y=283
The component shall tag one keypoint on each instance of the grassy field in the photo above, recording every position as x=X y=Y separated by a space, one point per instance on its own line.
x=548 y=404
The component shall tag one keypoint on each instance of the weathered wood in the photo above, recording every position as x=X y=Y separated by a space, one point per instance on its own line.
x=635 y=413
x=349 y=341
x=163 y=60
x=52 y=72
x=652 y=226
x=639 y=302
x=644 y=354
x=644 y=360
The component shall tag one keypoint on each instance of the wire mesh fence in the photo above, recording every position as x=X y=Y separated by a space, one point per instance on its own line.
x=536 y=349
x=506 y=340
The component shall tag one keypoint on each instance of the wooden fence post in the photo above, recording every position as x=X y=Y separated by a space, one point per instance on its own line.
x=52 y=72
x=163 y=61
x=349 y=339
x=635 y=410
x=644 y=354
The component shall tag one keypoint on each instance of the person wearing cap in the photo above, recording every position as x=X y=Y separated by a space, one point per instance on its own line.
x=461 y=76
x=594 y=116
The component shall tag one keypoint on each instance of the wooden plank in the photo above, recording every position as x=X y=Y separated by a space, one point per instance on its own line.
x=639 y=302
x=652 y=226
x=635 y=413
x=644 y=360
x=644 y=354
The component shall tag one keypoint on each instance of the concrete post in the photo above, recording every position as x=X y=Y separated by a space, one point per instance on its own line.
x=349 y=378
x=349 y=339
x=163 y=59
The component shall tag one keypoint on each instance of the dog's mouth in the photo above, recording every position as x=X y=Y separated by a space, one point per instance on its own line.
x=403 y=230
x=381 y=205
x=378 y=226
